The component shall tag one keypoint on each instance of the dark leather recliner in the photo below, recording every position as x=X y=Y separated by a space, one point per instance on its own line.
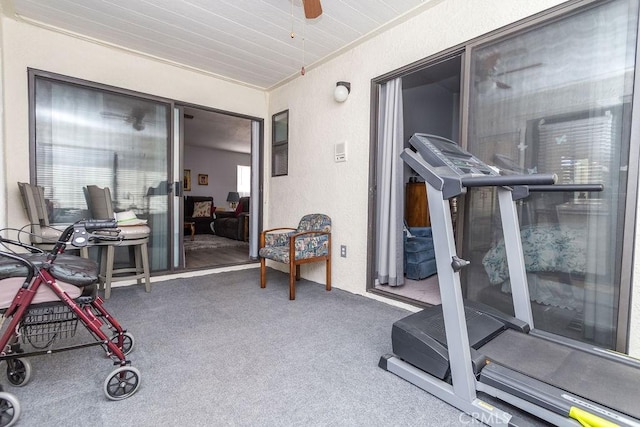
x=202 y=223
x=231 y=224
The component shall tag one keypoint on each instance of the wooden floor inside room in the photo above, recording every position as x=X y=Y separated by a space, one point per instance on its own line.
x=211 y=258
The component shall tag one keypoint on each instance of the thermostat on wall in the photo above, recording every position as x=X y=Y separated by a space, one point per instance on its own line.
x=341 y=152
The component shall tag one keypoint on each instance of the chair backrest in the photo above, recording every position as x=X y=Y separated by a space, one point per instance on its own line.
x=315 y=222
x=99 y=202
x=244 y=203
x=34 y=203
x=36 y=207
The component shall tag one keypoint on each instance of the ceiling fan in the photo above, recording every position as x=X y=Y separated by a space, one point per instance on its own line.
x=312 y=8
x=136 y=117
x=491 y=69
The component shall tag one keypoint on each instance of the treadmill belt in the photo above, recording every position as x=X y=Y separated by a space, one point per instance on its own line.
x=595 y=378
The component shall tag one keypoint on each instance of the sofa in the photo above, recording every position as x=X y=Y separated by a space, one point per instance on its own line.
x=231 y=224
x=199 y=210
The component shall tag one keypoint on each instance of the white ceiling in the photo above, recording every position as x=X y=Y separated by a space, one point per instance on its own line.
x=247 y=41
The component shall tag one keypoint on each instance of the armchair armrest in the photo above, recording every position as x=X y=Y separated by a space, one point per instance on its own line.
x=225 y=214
x=310 y=244
x=276 y=239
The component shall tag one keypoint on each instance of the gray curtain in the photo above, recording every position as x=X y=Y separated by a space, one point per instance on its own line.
x=390 y=186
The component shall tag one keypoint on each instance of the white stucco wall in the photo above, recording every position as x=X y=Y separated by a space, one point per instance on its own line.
x=27 y=46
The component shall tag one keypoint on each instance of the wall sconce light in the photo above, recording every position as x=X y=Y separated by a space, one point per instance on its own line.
x=341 y=92
x=233 y=198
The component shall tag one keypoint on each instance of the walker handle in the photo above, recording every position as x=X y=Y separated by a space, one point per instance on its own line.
x=99 y=224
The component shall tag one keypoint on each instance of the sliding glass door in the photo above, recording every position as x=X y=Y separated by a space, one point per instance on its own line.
x=556 y=98
x=85 y=135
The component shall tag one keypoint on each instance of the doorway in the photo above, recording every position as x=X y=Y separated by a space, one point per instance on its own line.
x=430 y=100
x=217 y=159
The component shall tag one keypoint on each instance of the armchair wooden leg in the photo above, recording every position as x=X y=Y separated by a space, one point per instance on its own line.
x=292 y=283
x=328 y=272
x=263 y=273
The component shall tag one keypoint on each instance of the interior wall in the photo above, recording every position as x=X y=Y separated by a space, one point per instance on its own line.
x=220 y=165
x=28 y=46
x=316 y=183
x=429 y=109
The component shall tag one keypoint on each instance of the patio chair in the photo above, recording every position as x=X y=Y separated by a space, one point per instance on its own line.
x=133 y=236
x=41 y=234
x=310 y=242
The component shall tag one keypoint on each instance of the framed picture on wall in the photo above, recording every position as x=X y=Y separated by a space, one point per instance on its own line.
x=186 y=180
x=203 y=179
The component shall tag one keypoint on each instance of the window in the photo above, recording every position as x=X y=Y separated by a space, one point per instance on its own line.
x=556 y=99
x=280 y=144
x=244 y=181
x=87 y=135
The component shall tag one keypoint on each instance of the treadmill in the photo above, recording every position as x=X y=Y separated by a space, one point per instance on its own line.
x=460 y=350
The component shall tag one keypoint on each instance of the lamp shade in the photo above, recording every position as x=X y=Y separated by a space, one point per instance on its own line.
x=341 y=92
x=233 y=197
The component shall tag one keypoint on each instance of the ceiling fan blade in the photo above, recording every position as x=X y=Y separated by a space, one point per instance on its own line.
x=515 y=70
x=312 y=8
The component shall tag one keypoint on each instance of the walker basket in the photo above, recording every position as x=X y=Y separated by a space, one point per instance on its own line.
x=46 y=324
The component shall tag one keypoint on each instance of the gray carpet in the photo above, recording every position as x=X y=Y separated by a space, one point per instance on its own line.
x=217 y=350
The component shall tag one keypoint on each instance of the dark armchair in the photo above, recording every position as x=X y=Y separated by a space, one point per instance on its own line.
x=199 y=210
x=232 y=224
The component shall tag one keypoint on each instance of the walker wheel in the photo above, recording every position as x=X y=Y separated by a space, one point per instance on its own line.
x=122 y=383
x=127 y=342
x=18 y=372
x=9 y=409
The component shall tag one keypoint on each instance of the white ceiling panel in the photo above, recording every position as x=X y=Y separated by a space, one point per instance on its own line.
x=248 y=41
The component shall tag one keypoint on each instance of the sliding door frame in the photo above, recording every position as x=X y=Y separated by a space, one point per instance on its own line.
x=174 y=157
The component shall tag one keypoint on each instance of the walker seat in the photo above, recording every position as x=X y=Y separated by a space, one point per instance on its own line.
x=70 y=269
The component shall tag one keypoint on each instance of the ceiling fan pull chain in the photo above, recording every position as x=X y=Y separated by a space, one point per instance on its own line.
x=304 y=33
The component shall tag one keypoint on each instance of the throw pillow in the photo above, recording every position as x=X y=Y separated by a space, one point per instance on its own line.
x=238 y=209
x=201 y=210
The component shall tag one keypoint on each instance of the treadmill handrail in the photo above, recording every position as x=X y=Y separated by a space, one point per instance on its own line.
x=509 y=180
x=523 y=191
x=590 y=188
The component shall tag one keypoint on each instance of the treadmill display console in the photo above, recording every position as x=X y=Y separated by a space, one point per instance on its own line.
x=439 y=151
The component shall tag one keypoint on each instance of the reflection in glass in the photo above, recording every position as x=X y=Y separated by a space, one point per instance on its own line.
x=88 y=136
x=555 y=99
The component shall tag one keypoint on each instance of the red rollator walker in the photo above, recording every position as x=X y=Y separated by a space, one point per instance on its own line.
x=43 y=297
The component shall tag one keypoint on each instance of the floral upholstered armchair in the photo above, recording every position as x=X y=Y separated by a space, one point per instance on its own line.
x=310 y=242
